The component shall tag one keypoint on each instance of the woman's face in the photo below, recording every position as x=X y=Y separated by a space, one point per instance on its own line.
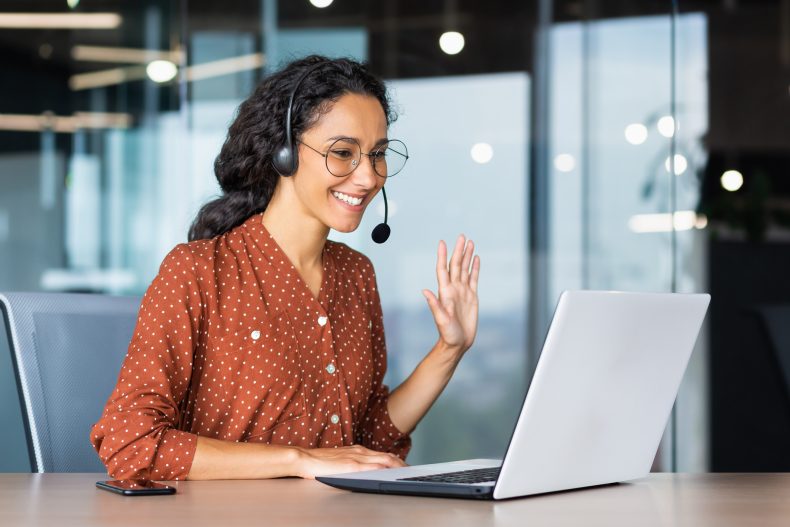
x=359 y=117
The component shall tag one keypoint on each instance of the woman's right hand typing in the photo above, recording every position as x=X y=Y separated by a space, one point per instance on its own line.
x=322 y=461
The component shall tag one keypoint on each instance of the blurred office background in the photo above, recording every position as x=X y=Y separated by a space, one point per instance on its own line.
x=605 y=144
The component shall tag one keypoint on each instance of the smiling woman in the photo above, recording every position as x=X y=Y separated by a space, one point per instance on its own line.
x=284 y=107
x=259 y=350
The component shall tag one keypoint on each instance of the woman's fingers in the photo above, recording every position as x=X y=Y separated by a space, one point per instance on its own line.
x=366 y=457
x=347 y=459
x=463 y=268
x=455 y=259
x=467 y=261
x=385 y=460
x=460 y=261
x=439 y=313
x=370 y=466
x=441 y=265
x=397 y=461
x=475 y=274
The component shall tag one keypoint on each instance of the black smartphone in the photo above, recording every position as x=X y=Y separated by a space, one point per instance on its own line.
x=136 y=487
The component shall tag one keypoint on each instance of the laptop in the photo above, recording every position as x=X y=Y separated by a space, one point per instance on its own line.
x=594 y=413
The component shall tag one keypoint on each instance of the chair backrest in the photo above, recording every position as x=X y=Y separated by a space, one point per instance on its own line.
x=66 y=350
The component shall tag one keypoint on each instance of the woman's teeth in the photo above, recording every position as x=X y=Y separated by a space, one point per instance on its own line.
x=347 y=199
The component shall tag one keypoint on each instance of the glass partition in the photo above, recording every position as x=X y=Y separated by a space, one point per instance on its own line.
x=582 y=145
x=618 y=219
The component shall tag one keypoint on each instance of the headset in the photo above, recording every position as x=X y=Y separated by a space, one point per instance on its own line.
x=286 y=159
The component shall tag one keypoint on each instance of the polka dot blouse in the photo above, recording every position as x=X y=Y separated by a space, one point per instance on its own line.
x=231 y=344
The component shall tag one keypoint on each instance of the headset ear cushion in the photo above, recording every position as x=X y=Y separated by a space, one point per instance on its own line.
x=283 y=161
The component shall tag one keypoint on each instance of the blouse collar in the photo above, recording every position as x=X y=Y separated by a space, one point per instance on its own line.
x=263 y=240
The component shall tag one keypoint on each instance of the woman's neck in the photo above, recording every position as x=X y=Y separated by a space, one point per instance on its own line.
x=300 y=236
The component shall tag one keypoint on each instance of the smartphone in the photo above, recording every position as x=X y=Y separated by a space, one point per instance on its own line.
x=136 y=487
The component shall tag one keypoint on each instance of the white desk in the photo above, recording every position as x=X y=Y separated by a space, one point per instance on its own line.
x=694 y=500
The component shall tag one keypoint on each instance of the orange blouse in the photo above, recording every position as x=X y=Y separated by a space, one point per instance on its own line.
x=231 y=344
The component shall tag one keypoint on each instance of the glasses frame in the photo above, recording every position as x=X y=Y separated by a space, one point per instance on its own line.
x=369 y=155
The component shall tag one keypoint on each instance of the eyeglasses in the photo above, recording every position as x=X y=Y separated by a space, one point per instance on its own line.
x=345 y=154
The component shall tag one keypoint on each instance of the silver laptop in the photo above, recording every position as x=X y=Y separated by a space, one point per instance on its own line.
x=595 y=410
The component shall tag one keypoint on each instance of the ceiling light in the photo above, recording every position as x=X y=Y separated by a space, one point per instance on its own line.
x=732 y=180
x=636 y=133
x=123 y=55
x=206 y=70
x=680 y=164
x=216 y=68
x=321 y=3
x=451 y=42
x=161 y=71
x=666 y=126
x=682 y=220
x=481 y=153
x=60 y=20
x=564 y=162
x=100 y=79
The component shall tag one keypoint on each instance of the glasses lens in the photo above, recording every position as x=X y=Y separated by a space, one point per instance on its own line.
x=390 y=158
x=343 y=157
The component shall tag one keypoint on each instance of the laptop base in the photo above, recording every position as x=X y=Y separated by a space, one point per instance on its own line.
x=442 y=490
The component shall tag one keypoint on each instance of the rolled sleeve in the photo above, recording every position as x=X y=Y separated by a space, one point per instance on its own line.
x=378 y=430
x=137 y=435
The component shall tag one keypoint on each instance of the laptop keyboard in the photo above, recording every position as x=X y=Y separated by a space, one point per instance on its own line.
x=478 y=475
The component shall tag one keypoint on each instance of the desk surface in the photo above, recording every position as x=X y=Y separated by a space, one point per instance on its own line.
x=696 y=500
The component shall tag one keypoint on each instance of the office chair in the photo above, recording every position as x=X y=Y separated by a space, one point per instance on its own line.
x=66 y=351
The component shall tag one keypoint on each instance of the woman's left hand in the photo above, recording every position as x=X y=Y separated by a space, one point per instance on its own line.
x=455 y=310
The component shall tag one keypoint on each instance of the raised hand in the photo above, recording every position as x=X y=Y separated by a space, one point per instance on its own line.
x=455 y=309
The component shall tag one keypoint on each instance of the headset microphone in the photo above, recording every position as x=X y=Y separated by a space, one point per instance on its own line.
x=382 y=231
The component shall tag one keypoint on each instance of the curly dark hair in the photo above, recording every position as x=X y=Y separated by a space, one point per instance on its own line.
x=244 y=165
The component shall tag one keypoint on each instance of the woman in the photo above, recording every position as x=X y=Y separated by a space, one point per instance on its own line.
x=259 y=349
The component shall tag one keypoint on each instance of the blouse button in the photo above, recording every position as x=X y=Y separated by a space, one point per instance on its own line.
x=331 y=368
x=335 y=419
x=255 y=335
x=322 y=321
